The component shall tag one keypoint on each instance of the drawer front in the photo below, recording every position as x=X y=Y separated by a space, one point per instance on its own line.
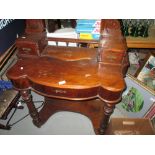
x=76 y=94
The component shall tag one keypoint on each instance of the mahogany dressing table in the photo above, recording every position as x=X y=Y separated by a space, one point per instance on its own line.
x=89 y=81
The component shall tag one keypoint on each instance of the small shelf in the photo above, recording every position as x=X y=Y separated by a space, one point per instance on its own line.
x=140 y=42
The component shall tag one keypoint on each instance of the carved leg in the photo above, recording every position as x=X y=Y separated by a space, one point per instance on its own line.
x=108 y=110
x=27 y=97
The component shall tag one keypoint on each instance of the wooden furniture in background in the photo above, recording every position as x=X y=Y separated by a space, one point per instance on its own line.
x=89 y=81
x=139 y=42
x=8 y=98
x=130 y=126
x=132 y=42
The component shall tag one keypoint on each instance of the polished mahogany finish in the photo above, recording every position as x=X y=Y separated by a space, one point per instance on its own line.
x=34 y=26
x=85 y=80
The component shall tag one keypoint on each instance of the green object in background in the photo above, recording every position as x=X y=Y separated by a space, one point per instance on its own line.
x=133 y=101
x=126 y=33
x=134 y=31
x=145 y=34
x=135 y=34
x=136 y=27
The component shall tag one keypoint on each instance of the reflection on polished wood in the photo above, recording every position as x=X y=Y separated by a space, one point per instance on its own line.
x=84 y=80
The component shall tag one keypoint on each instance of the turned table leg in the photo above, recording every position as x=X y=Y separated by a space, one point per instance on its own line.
x=108 y=110
x=27 y=97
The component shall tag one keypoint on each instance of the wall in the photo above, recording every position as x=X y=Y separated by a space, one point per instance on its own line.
x=9 y=29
